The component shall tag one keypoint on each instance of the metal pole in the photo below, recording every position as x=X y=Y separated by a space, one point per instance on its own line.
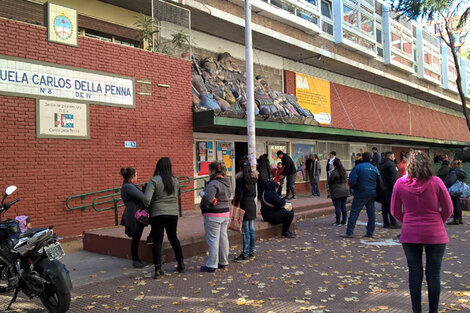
x=250 y=107
x=153 y=19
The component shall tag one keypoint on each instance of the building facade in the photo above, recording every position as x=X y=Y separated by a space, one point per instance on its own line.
x=367 y=79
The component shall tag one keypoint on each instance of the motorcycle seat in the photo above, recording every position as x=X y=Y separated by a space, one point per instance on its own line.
x=32 y=231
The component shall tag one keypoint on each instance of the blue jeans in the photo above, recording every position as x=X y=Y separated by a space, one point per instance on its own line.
x=315 y=190
x=217 y=239
x=414 y=258
x=356 y=207
x=340 y=209
x=248 y=230
x=291 y=184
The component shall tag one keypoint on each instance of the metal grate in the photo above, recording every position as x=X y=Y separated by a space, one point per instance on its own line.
x=174 y=29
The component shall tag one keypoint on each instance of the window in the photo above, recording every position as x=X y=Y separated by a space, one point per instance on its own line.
x=108 y=37
x=307 y=16
x=367 y=25
x=350 y=15
x=326 y=9
x=314 y=2
x=282 y=5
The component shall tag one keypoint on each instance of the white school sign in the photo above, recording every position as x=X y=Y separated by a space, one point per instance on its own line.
x=41 y=79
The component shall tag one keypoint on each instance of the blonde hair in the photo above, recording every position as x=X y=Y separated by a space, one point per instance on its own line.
x=418 y=165
x=456 y=164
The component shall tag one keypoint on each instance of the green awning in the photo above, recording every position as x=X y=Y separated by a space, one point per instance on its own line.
x=207 y=122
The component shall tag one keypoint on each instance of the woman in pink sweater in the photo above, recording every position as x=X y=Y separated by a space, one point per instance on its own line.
x=421 y=202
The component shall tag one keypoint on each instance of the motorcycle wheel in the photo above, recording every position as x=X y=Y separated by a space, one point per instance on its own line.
x=54 y=300
x=57 y=293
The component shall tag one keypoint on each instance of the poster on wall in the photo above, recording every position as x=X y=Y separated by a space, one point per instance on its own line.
x=60 y=119
x=314 y=94
x=300 y=153
x=204 y=156
x=224 y=153
x=272 y=152
x=62 y=26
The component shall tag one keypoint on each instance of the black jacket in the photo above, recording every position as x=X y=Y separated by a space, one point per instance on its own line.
x=376 y=159
x=245 y=197
x=263 y=168
x=289 y=165
x=133 y=199
x=388 y=172
x=454 y=175
x=443 y=172
x=338 y=188
x=270 y=196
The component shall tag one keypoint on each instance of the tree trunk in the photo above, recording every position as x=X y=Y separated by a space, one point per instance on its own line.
x=451 y=44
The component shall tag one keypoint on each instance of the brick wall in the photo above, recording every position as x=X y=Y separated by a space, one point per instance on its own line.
x=47 y=171
x=361 y=110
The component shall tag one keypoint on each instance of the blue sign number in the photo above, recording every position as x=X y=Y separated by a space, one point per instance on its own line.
x=130 y=144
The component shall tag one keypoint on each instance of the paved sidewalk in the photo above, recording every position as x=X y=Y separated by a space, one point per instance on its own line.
x=316 y=272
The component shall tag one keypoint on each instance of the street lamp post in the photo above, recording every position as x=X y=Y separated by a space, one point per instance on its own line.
x=250 y=107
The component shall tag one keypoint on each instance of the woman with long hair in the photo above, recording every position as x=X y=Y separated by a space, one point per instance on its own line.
x=161 y=195
x=133 y=199
x=215 y=207
x=456 y=173
x=339 y=191
x=421 y=202
x=245 y=193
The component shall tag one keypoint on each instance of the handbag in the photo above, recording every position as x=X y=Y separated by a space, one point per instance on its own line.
x=457 y=189
x=466 y=191
x=236 y=218
x=142 y=216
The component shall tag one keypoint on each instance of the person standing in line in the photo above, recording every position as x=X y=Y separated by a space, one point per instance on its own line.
x=215 y=207
x=314 y=171
x=443 y=171
x=273 y=209
x=376 y=156
x=363 y=179
x=456 y=173
x=339 y=192
x=161 y=196
x=133 y=199
x=421 y=202
x=277 y=174
x=264 y=173
x=329 y=164
x=389 y=173
x=290 y=172
x=245 y=193
x=358 y=159
x=402 y=165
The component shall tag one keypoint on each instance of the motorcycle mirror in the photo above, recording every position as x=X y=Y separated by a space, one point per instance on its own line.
x=10 y=190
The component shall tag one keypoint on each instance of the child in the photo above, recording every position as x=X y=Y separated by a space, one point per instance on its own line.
x=277 y=173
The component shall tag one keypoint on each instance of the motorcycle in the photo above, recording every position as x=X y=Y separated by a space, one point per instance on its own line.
x=29 y=263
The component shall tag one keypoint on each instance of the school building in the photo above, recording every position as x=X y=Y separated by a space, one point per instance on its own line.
x=82 y=96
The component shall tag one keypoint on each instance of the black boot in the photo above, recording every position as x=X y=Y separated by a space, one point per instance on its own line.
x=180 y=268
x=158 y=271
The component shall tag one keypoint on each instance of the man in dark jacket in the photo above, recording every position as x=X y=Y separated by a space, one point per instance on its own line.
x=290 y=172
x=443 y=170
x=264 y=173
x=313 y=168
x=389 y=173
x=363 y=179
x=376 y=158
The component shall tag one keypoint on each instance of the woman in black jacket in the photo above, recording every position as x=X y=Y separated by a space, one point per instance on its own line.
x=133 y=199
x=339 y=191
x=245 y=193
x=273 y=211
x=456 y=173
x=264 y=173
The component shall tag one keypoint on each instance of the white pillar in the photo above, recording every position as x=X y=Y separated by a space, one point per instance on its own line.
x=250 y=107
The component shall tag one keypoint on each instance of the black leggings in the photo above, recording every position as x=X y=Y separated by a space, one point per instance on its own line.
x=135 y=241
x=168 y=223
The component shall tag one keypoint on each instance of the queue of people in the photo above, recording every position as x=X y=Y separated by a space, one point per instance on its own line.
x=411 y=195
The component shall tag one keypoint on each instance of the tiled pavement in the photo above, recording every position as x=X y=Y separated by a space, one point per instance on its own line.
x=316 y=272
